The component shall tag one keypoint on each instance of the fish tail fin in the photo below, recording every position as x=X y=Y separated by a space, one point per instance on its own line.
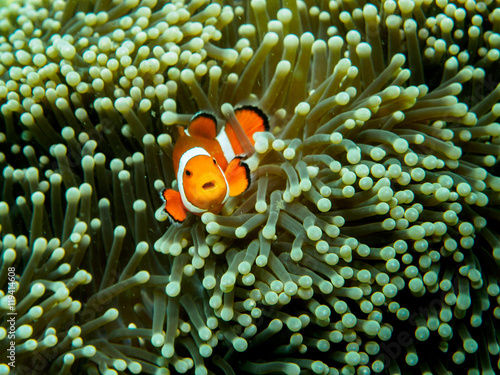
x=173 y=205
x=252 y=120
x=238 y=176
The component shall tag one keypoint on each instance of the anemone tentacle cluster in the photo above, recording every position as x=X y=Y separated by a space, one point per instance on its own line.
x=368 y=241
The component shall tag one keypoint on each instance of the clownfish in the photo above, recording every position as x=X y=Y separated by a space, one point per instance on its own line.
x=209 y=166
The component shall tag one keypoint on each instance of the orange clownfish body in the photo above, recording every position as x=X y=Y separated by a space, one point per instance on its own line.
x=209 y=166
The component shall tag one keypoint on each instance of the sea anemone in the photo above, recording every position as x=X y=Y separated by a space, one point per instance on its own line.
x=367 y=241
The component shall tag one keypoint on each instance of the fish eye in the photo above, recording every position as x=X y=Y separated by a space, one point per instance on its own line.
x=188 y=172
x=215 y=161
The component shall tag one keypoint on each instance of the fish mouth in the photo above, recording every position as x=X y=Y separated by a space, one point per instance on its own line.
x=208 y=185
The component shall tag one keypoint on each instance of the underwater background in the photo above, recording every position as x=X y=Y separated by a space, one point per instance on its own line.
x=368 y=242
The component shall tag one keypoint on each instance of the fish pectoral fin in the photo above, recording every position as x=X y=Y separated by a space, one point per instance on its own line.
x=173 y=205
x=203 y=124
x=238 y=176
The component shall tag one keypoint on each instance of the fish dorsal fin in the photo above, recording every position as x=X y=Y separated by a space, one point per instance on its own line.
x=173 y=205
x=203 y=124
x=252 y=120
x=238 y=176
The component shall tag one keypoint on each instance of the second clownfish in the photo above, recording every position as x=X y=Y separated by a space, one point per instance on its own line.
x=209 y=166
